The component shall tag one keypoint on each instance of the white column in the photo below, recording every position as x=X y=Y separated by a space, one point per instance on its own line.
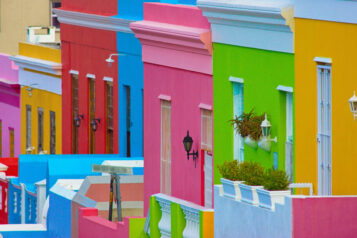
x=41 y=198
x=192 y=216
x=165 y=222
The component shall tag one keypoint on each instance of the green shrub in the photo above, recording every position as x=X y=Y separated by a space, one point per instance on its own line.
x=248 y=124
x=252 y=173
x=230 y=170
x=276 y=180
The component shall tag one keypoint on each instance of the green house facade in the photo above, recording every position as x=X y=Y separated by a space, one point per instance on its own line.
x=253 y=69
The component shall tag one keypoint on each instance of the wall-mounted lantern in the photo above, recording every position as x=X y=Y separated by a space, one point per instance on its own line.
x=77 y=120
x=110 y=59
x=94 y=123
x=353 y=105
x=187 y=143
x=265 y=142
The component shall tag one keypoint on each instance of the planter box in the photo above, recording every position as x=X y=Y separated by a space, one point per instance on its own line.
x=267 y=199
x=231 y=188
x=249 y=193
x=250 y=142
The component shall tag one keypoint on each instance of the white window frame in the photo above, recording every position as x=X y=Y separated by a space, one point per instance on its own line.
x=238 y=109
x=206 y=129
x=165 y=175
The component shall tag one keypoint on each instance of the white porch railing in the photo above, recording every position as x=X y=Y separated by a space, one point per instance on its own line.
x=192 y=216
x=165 y=222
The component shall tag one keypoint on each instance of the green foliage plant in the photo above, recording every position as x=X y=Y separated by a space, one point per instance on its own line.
x=276 y=180
x=230 y=170
x=252 y=173
x=248 y=124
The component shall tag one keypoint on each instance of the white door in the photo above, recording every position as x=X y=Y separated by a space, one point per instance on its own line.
x=238 y=143
x=289 y=163
x=324 y=129
x=208 y=180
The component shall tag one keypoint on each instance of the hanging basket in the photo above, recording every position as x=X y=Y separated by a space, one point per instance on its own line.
x=250 y=142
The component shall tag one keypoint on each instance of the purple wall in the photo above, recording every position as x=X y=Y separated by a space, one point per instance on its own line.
x=9 y=104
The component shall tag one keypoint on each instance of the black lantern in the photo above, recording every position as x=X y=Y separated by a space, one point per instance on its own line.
x=77 y=120
x=187 y=143
x=94 y=123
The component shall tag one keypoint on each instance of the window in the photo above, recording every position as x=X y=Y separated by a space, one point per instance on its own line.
x=109 y=113
x=28 y=129
x=128 y=120
x=0 y=139
x=54 y=18
x=289 y=150
x=238 y=143
x=206 y=130
x=91 y=93
x=12 y=142
x=75 y=112
x=40 y=129
x=166 y=147
x=52 y=132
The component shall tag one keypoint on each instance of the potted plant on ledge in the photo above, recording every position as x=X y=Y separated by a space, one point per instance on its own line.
x=253 y=175
x=248 y=126
x=276 y=187
x=230 y=171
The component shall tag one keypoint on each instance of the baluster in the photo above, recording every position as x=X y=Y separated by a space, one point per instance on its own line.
x=165 y=222
x=192 y=216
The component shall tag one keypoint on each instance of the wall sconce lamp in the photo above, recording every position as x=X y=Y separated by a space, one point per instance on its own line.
x=94 y=123
x=77 y=120
x=30 y=88
x=353 y=105
x=187 y=143
x=265 y=142
x=110 y=60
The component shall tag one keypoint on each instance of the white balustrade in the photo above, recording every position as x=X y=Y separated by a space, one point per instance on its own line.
x=192 y=216
x=165 y=222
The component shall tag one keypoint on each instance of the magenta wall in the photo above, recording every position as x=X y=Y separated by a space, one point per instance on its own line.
x=325 y=217
x=90 y=225
x=187 y=90
x=9 y=104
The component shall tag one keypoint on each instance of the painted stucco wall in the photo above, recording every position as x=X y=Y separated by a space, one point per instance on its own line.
x=40 y=97
x=338 y=44
x=324 y=217
x=105 y=8
x=9 y=105
x=238 y=219
x=85 y=50
x=262 y=71
x=16 y=15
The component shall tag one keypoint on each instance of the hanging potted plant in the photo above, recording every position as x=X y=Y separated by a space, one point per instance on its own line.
x=230 y=171
x=248 y=126
x=276 y=187
x=253 y=175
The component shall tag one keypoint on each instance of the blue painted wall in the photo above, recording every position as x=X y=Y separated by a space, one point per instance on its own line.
x=30 y=205
x=14 y=214
x=59 y=212
x=24 y=234
x=234 y=217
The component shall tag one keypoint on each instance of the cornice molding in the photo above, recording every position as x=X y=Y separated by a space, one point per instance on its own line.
x=255 y=24
x=107 y=23
x=168 y=40
x=37 y=64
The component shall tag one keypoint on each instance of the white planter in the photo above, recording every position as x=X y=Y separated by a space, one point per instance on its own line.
x=231 y=188
x=250 y=142
x=264 y=144
x=268 y=199
x=249 y=193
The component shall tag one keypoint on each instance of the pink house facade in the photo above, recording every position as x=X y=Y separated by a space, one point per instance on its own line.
x=178 y=89
x=9 y=108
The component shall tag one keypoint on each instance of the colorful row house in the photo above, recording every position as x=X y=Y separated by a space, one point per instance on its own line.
x=253 y=64
x=325 y=45
x=41 y=106
x=176 y=49
x=9 y=108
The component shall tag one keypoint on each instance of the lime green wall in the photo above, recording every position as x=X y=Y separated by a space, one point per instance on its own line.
x=155 y=216
x=178 y=221
x=263 y=71
x=136 y=228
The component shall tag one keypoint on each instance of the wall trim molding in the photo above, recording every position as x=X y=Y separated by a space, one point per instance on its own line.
x=171 y=45
x=285 y=89
x=107 y=23
x=236 y=80
x=266 y=25
x=37 y=64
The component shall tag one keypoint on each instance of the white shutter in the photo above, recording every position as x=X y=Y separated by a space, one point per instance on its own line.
x=238 y=143
x=289 y=136
x=208 y=180
x=206 y=130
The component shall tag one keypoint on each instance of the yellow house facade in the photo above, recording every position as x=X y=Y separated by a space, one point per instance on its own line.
x=325 y=79
x=41 y=100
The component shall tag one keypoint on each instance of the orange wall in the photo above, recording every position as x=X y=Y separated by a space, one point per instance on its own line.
x=337 y=41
